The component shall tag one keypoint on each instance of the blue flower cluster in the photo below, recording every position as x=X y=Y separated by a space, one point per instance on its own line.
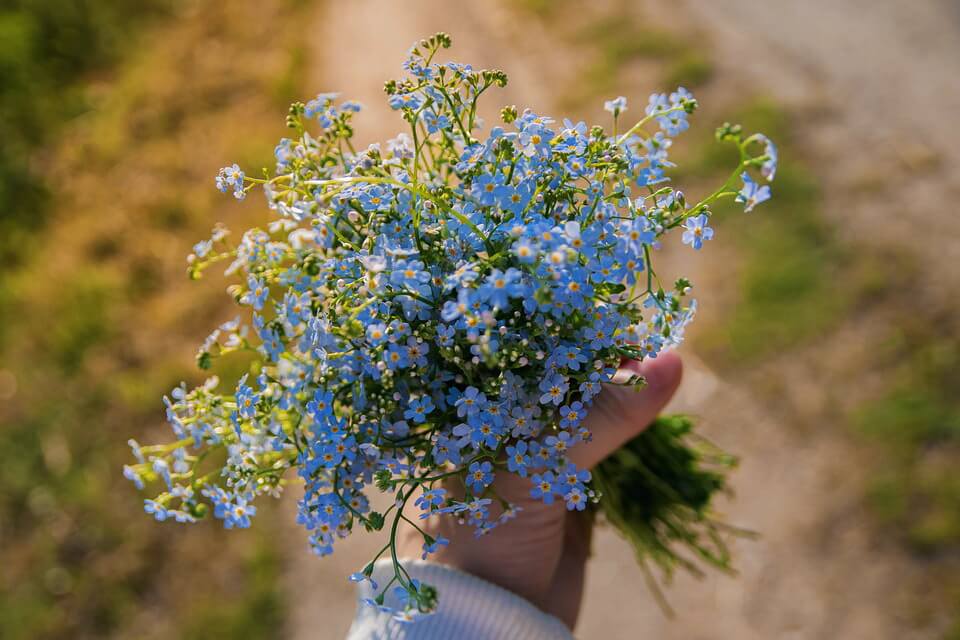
x=434 y=312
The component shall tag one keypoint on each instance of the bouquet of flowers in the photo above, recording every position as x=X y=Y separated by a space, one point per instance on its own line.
x=431 y=313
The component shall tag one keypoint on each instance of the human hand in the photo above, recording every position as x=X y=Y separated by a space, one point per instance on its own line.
x=541 y=555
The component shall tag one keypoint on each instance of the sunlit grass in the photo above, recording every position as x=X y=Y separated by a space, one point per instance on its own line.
x=615 y=42
x=257 y=612
x=789 y=258
x=106 y=322
x=916 y=421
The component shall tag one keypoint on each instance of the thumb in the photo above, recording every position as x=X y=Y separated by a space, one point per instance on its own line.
x=620 y=413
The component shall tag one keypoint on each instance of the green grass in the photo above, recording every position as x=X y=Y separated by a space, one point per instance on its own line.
x=79 y=556
x=103 y=323
x=690 y=68
x=787 y=281
x=256 y=612
x=916 y=424
x=542 y=9
x=619 y=40
x=913 y=427
x=48 y=50
x=788 y=257
x=84 y=319
x=286 y=87
x=796 y=279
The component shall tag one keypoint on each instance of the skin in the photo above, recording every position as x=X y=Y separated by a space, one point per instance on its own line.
x=541 y=555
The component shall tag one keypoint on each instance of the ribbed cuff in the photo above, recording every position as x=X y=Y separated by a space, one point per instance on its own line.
x=469 y=609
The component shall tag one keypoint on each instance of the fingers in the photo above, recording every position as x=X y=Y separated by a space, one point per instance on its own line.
x=566 y=587
x=620 y=413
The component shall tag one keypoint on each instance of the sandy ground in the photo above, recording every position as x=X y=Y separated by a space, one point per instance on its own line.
x=886 y=73
x=885 y=76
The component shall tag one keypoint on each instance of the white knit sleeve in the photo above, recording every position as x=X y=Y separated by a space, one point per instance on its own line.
x=469 y=609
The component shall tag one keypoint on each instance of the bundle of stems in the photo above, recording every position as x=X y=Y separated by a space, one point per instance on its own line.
x=658 y=491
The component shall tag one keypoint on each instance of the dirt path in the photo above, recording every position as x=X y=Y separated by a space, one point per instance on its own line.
x=884 y=76
x=816 y=573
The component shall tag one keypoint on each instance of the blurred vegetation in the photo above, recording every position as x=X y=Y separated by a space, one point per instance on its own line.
x=100 y=318
x=788 y=258
x=799 y=283
x=616 y=39
x=796 y=279
x=257 y=614
x=49 y=52
x=917 y=422
x=621 y=42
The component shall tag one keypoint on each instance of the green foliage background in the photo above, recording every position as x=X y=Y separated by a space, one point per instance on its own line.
x=101 y=101
x=49 y=51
